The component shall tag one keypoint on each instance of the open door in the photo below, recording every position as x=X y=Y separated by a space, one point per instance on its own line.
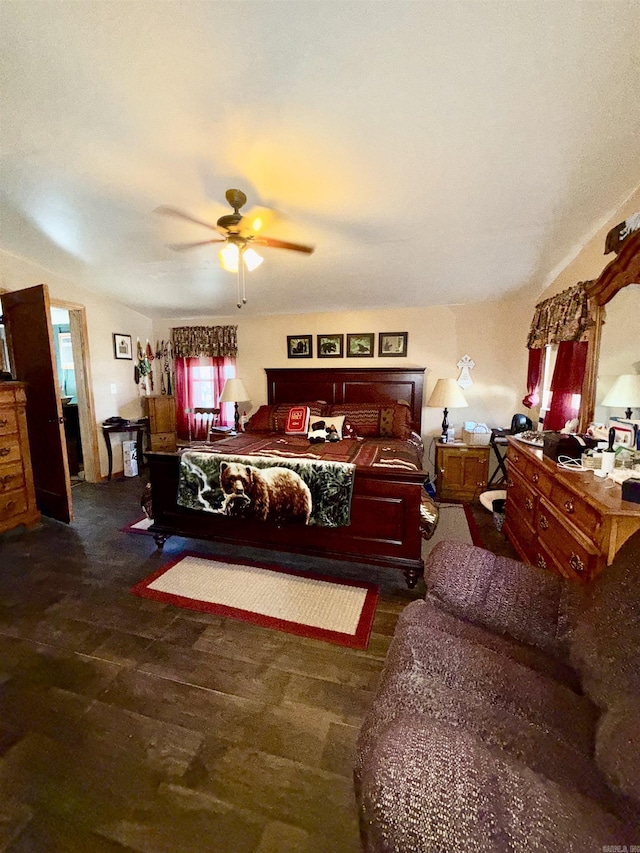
x=27 y=319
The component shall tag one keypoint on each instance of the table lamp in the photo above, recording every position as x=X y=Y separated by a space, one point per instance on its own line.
x=625 y=392
x=233 y=392
x=446 y=395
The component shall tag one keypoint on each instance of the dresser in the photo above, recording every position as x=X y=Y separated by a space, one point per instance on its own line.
x=17 y=495
x=162 y=422
x=571 y=523
x=462 y=471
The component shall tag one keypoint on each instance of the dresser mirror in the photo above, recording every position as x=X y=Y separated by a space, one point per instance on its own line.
x=614 y=344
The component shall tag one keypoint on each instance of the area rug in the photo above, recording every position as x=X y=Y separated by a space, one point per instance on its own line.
x=310 y=605
x=455 y=522
x=140 y=526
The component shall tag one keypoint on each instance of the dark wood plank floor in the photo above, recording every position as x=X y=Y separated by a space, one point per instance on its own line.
x=126 y=724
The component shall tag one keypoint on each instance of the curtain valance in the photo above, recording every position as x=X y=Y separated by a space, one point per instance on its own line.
x=564 y=317
x=212 y=341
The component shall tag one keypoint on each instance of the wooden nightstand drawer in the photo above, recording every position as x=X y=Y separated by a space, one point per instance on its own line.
x=11 y=477
x=12 y=504
x=8 y=421
x=163 y=441
x=10 y=450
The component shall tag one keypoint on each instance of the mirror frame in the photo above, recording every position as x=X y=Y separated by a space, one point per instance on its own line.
x=621 y=272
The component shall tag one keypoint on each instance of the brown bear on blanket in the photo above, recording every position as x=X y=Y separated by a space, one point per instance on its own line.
x=267 y=494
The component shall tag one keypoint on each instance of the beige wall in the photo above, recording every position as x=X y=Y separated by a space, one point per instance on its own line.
x=492 y=333
x=104 y=317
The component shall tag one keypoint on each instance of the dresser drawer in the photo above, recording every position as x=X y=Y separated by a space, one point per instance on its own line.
x=574 y=555
x=12 y=504
x=11 y=477
x=8 y=421
x=163 y=441
x=577 y=511
x=10 y=450
x=521 y=498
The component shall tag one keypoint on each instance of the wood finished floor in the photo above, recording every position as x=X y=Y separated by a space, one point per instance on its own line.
x=128 y=725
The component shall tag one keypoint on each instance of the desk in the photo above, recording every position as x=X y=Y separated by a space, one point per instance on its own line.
x=138 y=427
x=498 y=440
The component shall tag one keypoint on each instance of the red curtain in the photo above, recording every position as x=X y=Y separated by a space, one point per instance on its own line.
x=534 y=376
x=199 y=382
x=566 y=384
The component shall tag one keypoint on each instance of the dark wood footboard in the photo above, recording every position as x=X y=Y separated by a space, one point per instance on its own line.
x=384 y=528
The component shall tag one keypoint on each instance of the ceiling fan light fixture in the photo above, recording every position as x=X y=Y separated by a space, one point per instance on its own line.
x=229 y=255
x=252 y=259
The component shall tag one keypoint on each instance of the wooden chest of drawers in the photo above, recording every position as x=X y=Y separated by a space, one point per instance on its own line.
x=17 y=495
x=162 y=422
x=568 y=522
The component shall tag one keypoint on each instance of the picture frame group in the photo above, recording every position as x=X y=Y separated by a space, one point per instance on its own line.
x=358 y=345
x=122 y=347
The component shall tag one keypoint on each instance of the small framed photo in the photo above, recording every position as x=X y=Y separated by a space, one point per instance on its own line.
x=360 y=345
x=122 y=346
x=299 y=346
x=330 y=346
x=392 y=343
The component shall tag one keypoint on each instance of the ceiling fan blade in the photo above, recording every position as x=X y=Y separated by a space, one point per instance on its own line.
x=281 y=244
x=181 y=247
x=180 y=214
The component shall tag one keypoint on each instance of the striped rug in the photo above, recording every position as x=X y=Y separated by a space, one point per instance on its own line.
x=337 y=611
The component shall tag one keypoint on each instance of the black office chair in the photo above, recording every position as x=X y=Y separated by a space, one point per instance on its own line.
x=520 y=423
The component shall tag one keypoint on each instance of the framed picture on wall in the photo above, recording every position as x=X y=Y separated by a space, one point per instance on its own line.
x=330 y=346
x=360 y=345
x=122 y=346
x=299 y=346
x=392 y=343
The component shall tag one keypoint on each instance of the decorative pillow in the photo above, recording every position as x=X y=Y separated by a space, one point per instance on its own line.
x=401 y=421
x=386 y=422
x=336 y=421
x=274 y=418
x=363 y=417
x=297 y=420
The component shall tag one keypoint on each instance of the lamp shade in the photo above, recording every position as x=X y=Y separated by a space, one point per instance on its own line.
x=625 y=392
x=233 y=391
x=447 y=395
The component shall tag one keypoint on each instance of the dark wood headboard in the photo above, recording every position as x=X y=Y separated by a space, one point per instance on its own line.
x=348 y=385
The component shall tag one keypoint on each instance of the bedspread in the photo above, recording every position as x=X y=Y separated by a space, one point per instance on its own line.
x=369 y=453
x=266 y=488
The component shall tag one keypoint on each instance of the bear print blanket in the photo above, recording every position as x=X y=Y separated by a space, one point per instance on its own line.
x=296 y=491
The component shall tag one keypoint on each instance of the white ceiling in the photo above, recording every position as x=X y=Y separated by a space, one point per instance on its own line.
x=433 y=152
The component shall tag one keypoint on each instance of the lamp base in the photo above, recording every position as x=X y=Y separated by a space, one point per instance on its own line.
x=236 y=417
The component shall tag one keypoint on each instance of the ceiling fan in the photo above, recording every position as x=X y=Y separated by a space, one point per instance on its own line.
x=239 y=233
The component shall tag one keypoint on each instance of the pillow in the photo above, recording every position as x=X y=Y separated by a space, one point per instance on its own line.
x=336 y=421
x=348 y=430
x=363 y=417
x=274 y=418
x=297 y=420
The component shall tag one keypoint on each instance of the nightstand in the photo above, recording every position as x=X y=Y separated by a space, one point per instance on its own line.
x=462 y=471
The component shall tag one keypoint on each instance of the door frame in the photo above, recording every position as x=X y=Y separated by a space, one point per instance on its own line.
x=84 y=387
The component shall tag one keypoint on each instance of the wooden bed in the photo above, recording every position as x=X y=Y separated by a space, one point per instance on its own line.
x=385 y=509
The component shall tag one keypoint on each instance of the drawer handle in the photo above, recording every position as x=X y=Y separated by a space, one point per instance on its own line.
x=6 y=479
x=576 y=563
x=544 y=522
x=568 y=505
x=528 y=504
x=3 y=424
x=5 y=451
x=8 y=507
x=541 y=562
x=516 y=458
x=535 y=476
x=510 y=483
